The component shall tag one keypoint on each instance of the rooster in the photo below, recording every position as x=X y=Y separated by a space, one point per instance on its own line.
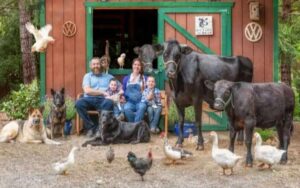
x=41 y=36
x=62 y=166
x=121 y=60
x=140 y=165
x=110 y=154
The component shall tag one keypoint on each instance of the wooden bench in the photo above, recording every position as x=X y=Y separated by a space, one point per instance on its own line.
x=164 y=112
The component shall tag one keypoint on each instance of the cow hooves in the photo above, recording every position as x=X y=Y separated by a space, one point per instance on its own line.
x=178 y=146
x=248 y=165
x=239 y=142
x=200 y=147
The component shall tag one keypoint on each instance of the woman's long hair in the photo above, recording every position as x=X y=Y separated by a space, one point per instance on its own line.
x=141 y=72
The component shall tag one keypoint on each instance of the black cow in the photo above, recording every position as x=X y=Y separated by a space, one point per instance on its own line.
x=187 y=70
x=148 y=53
x=261 y=105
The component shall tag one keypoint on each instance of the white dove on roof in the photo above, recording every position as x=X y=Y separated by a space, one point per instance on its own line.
x=41 y=36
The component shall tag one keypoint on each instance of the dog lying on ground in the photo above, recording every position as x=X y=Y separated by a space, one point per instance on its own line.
x=57 y=117
x=29 y=131
x=112 y=131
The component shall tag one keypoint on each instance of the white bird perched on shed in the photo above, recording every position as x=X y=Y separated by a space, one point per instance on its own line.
x=41 y=36
x=121 y=60
x=63 y=165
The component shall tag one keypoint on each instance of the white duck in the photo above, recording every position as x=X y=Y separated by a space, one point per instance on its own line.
x=63 y=165
x=223 y=157
x=266 y=154
x=41 y=36
x=175 y=153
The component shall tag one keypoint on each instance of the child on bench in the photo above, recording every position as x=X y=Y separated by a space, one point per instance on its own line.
x=151 y=96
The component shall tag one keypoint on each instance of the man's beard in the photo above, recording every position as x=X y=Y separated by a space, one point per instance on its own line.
x=96 y=70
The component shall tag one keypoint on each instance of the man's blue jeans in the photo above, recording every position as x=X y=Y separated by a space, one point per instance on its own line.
x=154 y=116
x=134 y=112
x=92 y=103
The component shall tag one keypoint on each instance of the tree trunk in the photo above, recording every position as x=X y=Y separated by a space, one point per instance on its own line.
x=285 y=70
x=28 y=58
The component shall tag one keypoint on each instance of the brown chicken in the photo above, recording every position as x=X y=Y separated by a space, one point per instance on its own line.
x=140 y=165
x=110 y=154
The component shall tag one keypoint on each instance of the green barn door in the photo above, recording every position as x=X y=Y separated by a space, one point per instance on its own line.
x=180 y=24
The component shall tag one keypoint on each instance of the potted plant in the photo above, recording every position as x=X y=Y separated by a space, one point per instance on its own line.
x=70 y=112
x=189 y=124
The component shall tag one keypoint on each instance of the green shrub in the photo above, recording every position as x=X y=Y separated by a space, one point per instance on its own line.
x=18 y=102
x=70 y=108
x=266 y=134
x=173 y=115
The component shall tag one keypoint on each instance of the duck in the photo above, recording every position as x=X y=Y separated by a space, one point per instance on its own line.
x=266 y=154
x=223 y=157
x=174 y=153
x=63 y=165
x=41 y=36
x=110 y=154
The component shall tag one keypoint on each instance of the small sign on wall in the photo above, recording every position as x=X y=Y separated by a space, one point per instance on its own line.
x=203 y=25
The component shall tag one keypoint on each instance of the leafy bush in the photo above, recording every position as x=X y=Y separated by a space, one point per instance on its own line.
x=266 y=134
x=70 y=108
x=173 y=115
x=18 y=102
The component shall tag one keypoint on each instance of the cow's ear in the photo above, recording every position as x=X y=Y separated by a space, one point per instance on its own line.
x=136 y=50
x=62 y=91
x=158 y=48
x=186 y=50
x=52 y=91
x=209 y=84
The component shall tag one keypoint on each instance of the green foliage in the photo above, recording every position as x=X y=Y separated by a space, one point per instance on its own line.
x=70 y=108
x=173 y=115
x=297 y=106
x=19 y=102
x=10 y=54
x=266 y=134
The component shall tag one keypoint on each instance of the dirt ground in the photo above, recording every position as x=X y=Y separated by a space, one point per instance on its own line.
x=29 y=165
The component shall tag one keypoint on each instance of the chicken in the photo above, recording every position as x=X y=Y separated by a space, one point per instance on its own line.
x=223 y=157
x=175 y=153
x=121 y=60
x=41 y=36
x=140 y=165
x=266 y=154
x=62 y=166
x=110 y=154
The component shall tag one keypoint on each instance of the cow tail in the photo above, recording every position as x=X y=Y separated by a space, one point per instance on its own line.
x=245 y=69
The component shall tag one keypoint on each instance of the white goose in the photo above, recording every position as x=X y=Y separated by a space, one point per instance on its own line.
x=63 y=165
x=175 y=153
x=41 y=36
x=266 y=154
x=223 y=157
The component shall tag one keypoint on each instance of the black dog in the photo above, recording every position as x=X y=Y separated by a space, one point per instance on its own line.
x=112 y=131
x=57 y=117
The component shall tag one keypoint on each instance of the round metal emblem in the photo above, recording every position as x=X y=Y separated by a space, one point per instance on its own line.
x=253 y=32
x=69 y=29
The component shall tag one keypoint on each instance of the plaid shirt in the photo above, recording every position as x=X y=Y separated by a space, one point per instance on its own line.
x=156 y=100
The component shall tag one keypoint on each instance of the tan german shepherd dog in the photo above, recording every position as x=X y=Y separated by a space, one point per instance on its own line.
x=28 y=131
